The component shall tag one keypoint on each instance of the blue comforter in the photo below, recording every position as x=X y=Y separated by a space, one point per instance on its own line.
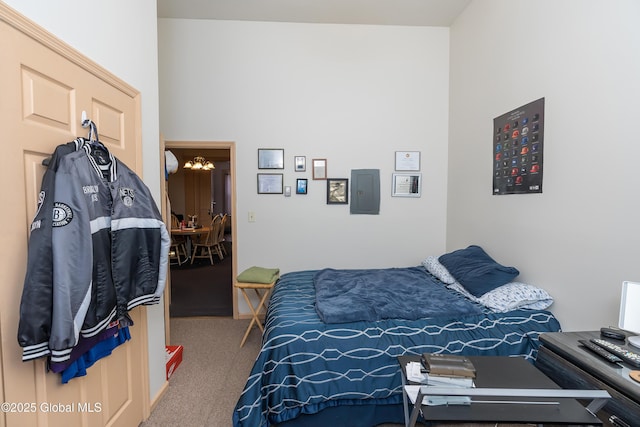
x=391 y=293
x=306 y=365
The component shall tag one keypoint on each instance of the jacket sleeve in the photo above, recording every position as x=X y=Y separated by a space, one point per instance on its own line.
x=34 y=327
x=164 y=260
x=158 y=246
x=165 y=244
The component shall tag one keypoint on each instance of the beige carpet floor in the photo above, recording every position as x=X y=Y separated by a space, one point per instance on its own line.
x=206 y=386
x=204 y=389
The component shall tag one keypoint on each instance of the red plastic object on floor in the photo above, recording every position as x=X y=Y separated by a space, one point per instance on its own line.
x=174 y=358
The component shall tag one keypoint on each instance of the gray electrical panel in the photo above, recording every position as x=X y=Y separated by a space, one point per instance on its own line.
x=365 y=191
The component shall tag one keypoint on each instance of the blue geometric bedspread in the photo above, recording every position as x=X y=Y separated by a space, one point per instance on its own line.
x=306 y=365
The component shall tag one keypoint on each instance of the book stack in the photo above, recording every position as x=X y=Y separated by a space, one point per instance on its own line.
x=447 y=370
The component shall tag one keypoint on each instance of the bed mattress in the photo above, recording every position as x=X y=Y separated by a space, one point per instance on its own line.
x=306 y=365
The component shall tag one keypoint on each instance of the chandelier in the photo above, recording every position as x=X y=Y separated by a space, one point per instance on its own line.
x=199 y=163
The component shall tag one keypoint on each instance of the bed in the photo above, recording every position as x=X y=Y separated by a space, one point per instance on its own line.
x=310 y=372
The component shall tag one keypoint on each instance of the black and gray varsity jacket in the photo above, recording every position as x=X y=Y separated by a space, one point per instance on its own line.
x=108 y=249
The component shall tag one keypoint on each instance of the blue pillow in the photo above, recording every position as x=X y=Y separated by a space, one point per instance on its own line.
x=476 y=270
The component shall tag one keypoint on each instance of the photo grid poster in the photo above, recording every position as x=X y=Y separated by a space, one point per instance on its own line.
x=517 y=150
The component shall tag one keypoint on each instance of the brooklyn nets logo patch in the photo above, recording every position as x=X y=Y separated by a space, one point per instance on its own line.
x=127 y=195
x=62 y=214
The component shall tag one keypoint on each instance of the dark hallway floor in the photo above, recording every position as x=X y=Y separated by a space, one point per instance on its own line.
x=202 y=289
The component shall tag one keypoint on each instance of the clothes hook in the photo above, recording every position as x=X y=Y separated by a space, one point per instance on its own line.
x=93 y=129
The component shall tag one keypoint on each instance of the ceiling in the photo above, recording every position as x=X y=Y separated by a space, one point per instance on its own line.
x=437 y=13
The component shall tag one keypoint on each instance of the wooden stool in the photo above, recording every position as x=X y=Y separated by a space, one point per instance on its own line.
x=257 y=287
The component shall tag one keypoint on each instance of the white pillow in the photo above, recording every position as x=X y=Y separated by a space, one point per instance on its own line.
x=515 y=295
x=434 y=267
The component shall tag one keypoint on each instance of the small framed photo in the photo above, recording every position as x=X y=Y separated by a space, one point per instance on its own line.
x=337 y=191
x=406 y=185
x=300 y=163
x=270 y=183
x=270 y=158
x=407 y=160
x=319 y=168
x=301 y=186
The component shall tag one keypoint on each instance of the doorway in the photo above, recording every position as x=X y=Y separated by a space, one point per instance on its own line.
x=198 y=286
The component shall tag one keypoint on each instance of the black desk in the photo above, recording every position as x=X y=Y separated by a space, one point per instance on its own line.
x=509 y=373
x=563 y=359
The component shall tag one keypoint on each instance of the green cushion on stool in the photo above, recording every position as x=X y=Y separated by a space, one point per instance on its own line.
x=259 y=275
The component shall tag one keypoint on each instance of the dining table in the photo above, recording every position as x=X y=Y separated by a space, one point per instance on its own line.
x=189 y=233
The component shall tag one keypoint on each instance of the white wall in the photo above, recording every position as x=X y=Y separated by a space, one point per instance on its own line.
x=351 y=94
x=356 y=94
x=580 y=238
x=121 y=36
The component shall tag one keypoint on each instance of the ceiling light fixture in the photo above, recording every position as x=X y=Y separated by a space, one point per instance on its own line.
x=199 y=163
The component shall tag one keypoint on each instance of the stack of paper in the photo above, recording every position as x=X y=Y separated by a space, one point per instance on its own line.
x=444 y=381
x=415 y=373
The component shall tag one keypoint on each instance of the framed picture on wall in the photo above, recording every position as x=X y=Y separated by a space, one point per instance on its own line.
x=300 y=163
x=270 y=183
x=406 y=185
x=337 y=191
x=407 y=160
x=319 y=168
x=301 y=186
x=270 y=158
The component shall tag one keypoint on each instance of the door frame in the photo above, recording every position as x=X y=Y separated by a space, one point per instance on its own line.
x=206 y=145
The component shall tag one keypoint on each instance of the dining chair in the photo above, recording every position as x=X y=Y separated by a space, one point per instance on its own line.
x=206 y=248
x=221 y=250
x=177 y=250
